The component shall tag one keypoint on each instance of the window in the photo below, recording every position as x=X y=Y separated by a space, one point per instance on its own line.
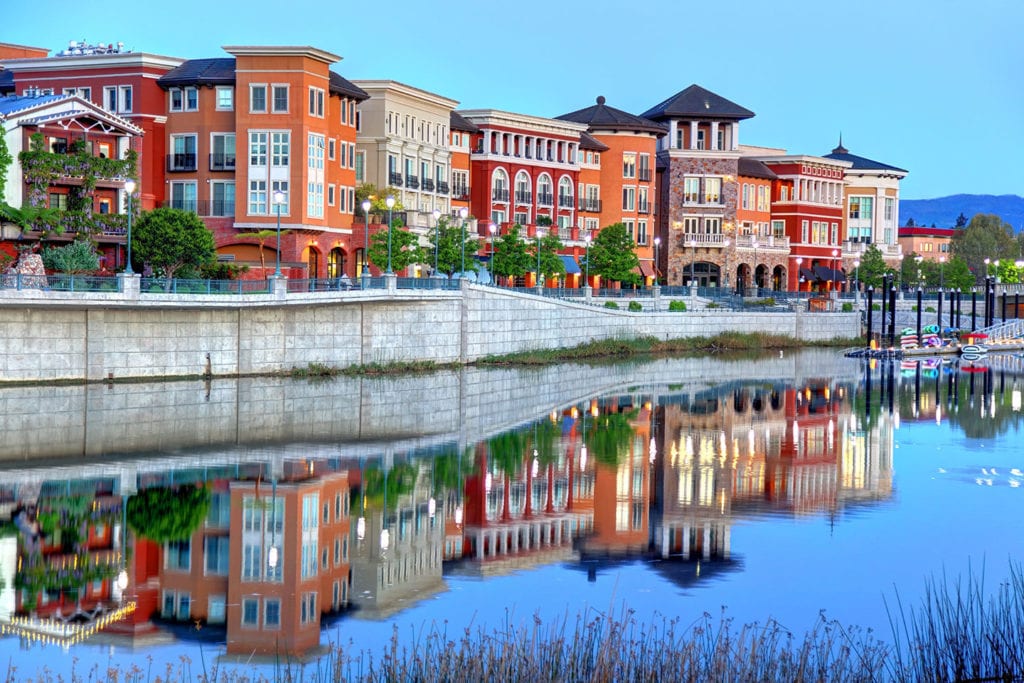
x=191 y=98
x=257 y=98
x=721 y=139
x=316 y=102
x=337 y=551
x=84 y=93
x=110 y=98
x=124 y=102
x=310 y=518
x=272 y=613
x=712 y=190
x=330 y=202
x=630 y=227
x=307 y=608
x=176 y=605
x=217 y=609
x=250 y=612
x=330 y=149
x=279 y=148
x=629 y=198
x=183 y=153
x=360 y=164
x=745 y=203
x=324 y=559
x=257 y=200
x=890 y=209
x=178 y=555
x=779 y=228
x=762 y=198
x=223 y=195
x=225 y=98
x=223 y=156
x=641 y=232
x=215 y=553
x=58 y=201
x=805 y=231
x=713 y=226
x=337 y=507
x=641 y=200
x=691 y=190
x=282 y=187
x=861 y=207
x=701 y=143
x=257 y=149
x=176 y=99
x=280 y=103
x=629 y=165
x=183 y=196
x=645 y=167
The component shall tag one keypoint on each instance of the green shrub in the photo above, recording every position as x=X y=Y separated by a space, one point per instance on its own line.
x=611 y=304
x=76 y=257
x=929 y=309
x=713 y=305
x=847 y=307
x=876 y=307
x=635 y=306
x=677 y=306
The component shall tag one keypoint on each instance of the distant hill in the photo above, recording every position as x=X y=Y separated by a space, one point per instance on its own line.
x=942 y=211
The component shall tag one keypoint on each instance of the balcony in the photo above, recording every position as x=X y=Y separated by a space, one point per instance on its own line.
x=181 y=163
x=395 y=179
x=644 y=175
x=565 y=201
x=857 y=248
x=442 y=187
x=428 y=185
x=222 y=162
x=643 y=207
x=703 y=200
x=763 y=242
x=460 y=192
x=524 y=197
x=545 y=199
x=499 y=194
x=412 y=182
x=703 y=239
x=590 y=204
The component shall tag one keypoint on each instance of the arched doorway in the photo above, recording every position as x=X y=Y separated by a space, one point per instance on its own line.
x=703 y=274
x=778 y=278
x=313 y=263
x=761 y=276
x=336 y=263
x=744 y=278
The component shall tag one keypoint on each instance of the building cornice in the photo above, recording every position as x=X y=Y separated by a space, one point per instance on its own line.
x=801 y=159
x=384 y=88
x=495 y=117
x=282 y=51
x=81 y=62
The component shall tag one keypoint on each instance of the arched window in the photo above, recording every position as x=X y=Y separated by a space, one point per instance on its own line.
x=523 y=193
x=565 y=193
x=335 y=263
x=544 y=193
x=314 y=263
x=499 y=185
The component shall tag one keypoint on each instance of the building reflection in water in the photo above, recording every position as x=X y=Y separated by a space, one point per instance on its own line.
x=265 y=552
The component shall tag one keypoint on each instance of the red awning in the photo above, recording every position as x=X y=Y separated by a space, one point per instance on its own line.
x=647 y=269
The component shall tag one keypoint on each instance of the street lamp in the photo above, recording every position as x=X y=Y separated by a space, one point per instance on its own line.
x=437 y=234
x=129 y=187
x=832 y=276
x=492 y=228
x=693 y=256
x=463 y=212
x=366 y=243
x=657 y=245
x=540 y=233
x=390 y=202
x=278 y=201
x=753 y=274
x=799 y=275
x=856 y=275
x=942 y=264
x=899 y=272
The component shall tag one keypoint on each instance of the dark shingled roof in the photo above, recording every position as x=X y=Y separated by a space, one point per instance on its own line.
x=602 y=117
x=752 y=168
x=840 y=153
x=342 y=86
x=696 y=102
x=588 y=141
x=457 y=122
x=216 y=71
x=6 y=81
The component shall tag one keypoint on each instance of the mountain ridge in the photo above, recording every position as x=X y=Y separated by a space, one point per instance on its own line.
x=943 y=211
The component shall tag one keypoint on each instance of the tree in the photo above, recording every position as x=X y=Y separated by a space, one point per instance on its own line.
x=29 y=217
x=873 y=267
x=613 y=255
x=450 y=240
x=77 y=257
x=909 y=271
x=958 y=274
x=5 y=161
x=961 y=221
x=405 y=248
x=172 y=239
x=910 y=223
x=986 y=236
x=261 y=237
x=551 y=264
x=378 y=199
x=511 y=255
x=166 y=514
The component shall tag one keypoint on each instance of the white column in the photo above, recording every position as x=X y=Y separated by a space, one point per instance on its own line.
x=515 y=540
x=686 y=541
x=706 y=553
x=479 y=545
x=672 y=127
x=735 y=135
x=713 y=143
x=693 y=134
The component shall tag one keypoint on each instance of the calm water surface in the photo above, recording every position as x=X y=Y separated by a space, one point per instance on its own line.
x=260 y=521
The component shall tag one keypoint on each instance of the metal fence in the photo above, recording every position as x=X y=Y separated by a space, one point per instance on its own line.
x=60 y=282
x=156 y=285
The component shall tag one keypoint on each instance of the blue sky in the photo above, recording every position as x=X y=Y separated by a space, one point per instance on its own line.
x=932 y=86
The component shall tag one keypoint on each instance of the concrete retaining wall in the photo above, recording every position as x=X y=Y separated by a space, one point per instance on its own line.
x=53 y=336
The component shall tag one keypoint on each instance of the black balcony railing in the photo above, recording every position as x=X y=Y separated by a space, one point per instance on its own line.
x=428 y=185
x=412 y=181
x=442 y=187
x=565 y=201
x=460 y=192
x=589 y=204
x=644 y=174
x=181 y=162
x=499 y=194
x=222 y=162
x=524 y=197
x=643 y=207
x=395 y=179
x=544 y=199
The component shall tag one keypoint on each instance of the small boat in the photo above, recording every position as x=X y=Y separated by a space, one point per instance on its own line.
x=968 y=356
x=973 y=350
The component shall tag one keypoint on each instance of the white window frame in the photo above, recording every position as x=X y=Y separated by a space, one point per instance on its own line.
x=220 y=90
x=272 y=104
x=253 y=87
x=316 y=101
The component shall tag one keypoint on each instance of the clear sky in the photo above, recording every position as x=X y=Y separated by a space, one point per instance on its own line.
x=932 y=86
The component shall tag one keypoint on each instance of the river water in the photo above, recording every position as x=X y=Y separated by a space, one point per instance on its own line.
x=257 y=523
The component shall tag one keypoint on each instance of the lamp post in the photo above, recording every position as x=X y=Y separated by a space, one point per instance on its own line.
x=753 y=273
x=437 y=234
x=278 y=201
x=390 y=202
x=799 y=275
x=463 y=212
x=725 y=263
x=856 y=275
x=693 y=256
x=129 y=188
x=540 y=233
x=586 y=259
x=899 y=273
x=492 y=228
x=942 y=264
x=919 y=259
x=832 y=276
x=657 y=245
x=366 y=242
